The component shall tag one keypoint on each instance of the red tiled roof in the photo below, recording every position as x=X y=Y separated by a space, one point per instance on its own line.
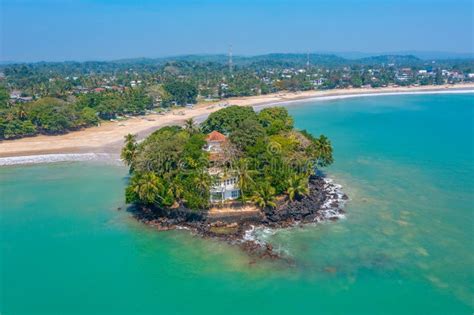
x=216 y=136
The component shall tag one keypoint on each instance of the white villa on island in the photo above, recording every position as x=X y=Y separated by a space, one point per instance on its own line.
x=226 y=186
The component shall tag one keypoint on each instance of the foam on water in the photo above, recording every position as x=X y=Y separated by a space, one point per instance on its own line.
x=258 y=235
x=331 y=209
x=53 y=158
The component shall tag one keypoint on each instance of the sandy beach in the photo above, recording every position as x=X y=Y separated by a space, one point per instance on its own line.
x=108 y=137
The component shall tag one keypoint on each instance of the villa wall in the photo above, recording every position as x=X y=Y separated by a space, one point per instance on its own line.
x=234 y=213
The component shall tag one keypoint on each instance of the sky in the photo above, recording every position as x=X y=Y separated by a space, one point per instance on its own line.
x=57 y=30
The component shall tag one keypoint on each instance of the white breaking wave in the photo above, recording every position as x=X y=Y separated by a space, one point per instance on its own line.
x=258 y=235
x=53 y=158
x=331 y=209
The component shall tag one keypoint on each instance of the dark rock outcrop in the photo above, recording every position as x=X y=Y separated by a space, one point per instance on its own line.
x=324 y=202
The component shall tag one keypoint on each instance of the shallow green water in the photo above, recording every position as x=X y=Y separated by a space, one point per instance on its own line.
x=406 y=246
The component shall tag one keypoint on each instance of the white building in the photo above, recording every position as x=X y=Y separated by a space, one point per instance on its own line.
x=225 y=186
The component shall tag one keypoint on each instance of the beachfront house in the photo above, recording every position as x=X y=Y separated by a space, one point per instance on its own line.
x=225 y=186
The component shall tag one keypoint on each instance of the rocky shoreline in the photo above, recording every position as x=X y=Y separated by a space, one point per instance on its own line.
x=324 y=202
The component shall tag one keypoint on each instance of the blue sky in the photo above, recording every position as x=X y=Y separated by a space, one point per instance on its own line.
x=33 y=30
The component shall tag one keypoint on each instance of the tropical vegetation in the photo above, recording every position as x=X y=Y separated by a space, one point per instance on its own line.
x=52 y=115
x=79 y=94
x=169 y=169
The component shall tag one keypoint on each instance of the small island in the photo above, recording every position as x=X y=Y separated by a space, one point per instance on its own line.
x=235 y=172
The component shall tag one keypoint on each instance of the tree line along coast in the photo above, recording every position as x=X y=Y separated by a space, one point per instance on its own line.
x=55 y=98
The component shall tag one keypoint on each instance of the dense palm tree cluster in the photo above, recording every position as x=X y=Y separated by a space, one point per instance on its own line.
x=266 y=154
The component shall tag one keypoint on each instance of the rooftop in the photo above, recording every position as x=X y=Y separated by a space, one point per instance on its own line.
x=216 y=136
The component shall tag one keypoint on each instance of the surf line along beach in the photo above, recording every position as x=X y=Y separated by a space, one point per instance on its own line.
x=108 y=137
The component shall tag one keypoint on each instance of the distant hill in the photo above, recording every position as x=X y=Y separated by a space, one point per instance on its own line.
x=390 y=59
x=298 y=59
x=273 y=59
x=324 y=58
x=437 y=55
x=425 y=55
x=267 y=60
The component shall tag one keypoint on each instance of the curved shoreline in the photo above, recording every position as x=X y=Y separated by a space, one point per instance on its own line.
x=107 y=139
x=357 y=95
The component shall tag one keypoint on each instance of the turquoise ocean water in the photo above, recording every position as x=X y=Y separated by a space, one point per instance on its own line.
x=405 y=247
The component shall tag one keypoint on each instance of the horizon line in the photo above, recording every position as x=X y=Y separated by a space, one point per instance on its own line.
x=463 y=55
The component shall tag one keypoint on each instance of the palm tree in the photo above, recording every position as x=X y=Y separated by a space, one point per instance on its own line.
x=264 y=196
x=323 y=149
x=202 y=180
x=190 y=126
x=129 y=150
x=297 y=187
x=130 y=138
x=21 y=112
x=148 y=187
x=10 y=116
x=175 y=188
x=244 y=176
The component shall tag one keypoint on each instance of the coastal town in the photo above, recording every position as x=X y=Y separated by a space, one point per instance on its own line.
x=57 y=98
x=214 y=77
